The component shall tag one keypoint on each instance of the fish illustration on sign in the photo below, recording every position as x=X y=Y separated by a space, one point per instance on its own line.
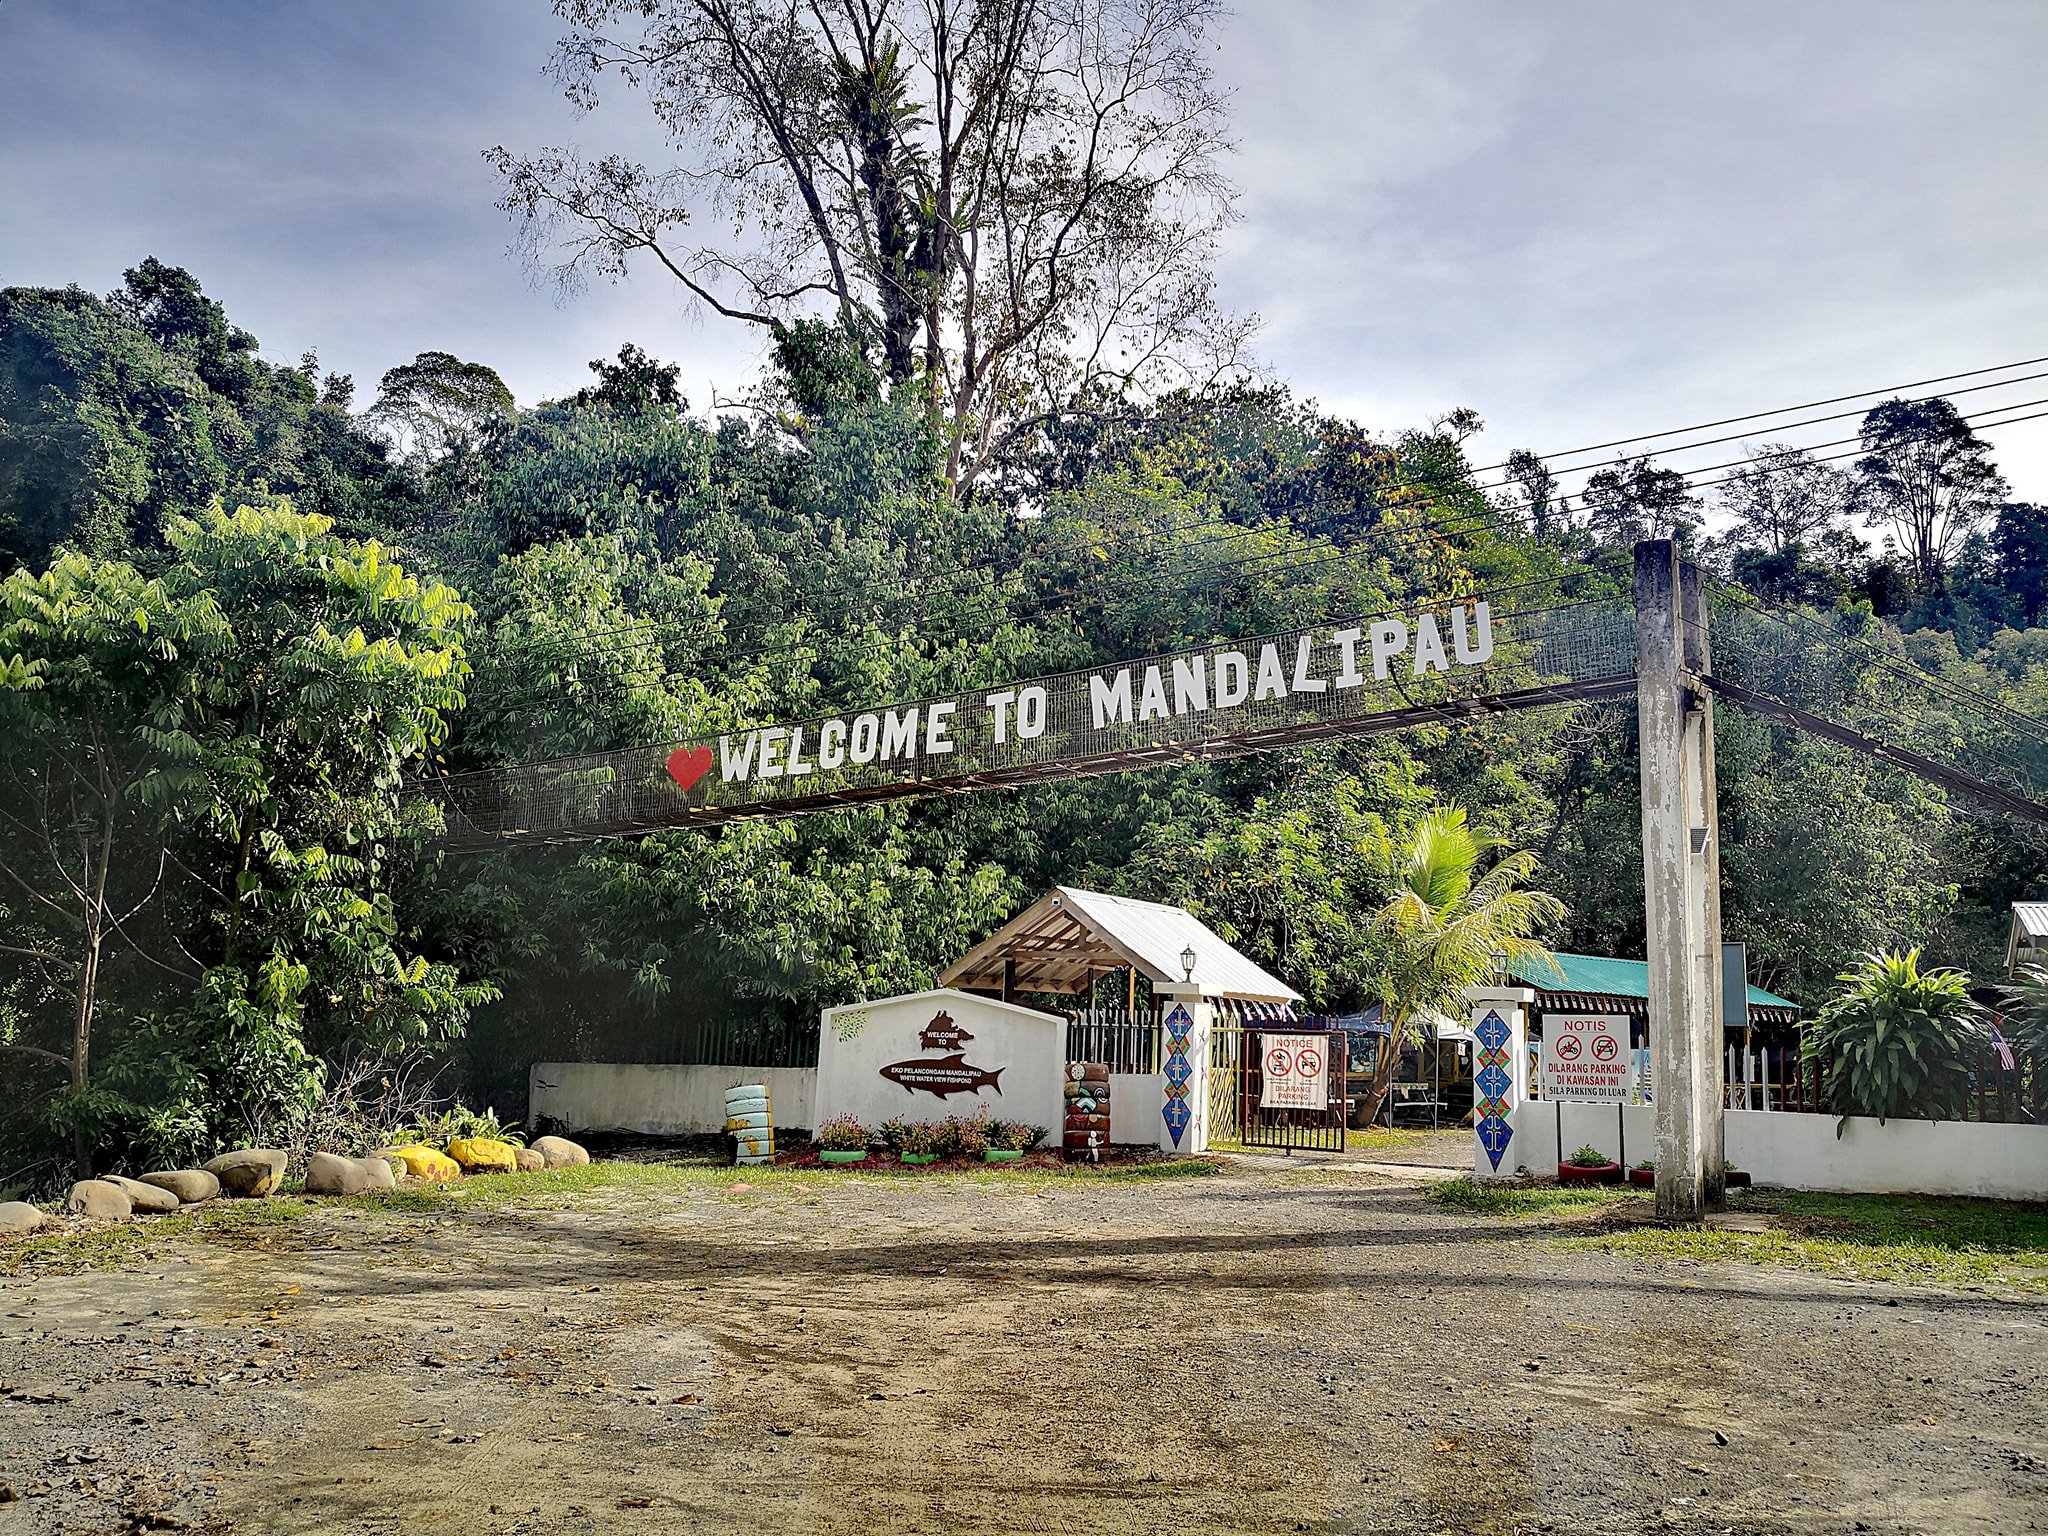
x=943 y=1075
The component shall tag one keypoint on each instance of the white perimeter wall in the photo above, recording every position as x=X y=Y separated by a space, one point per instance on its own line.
x=1796 y=1151
x=659 y=1100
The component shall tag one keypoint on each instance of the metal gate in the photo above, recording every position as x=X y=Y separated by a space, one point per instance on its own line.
x=1308 y=1072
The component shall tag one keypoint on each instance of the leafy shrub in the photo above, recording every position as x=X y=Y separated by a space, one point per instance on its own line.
x=1589 y=1157
x=1893 y=1041
x=1648 y=1165
x=972 y=1136
x=1014 y=1135
x=913 y=1138
x=457 y=1121
x=842 y=1133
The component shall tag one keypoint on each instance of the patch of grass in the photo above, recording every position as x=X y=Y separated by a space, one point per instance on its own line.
x=1380 y=1139
x=77 y=1249
x=493 y=1191
x=1483 y=1197
x=1909 y=1239
x=1391 y=1139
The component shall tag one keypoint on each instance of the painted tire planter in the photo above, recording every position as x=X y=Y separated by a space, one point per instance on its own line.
x=1643 y=1178
x=1000 y=1155
x=756 y=1121
x=842 y=1157
x=751 y=1124
x=1736 y=1178
x=1602 y=1173
x=917 y=1158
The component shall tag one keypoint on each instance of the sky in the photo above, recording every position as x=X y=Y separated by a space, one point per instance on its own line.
x=1582 y=220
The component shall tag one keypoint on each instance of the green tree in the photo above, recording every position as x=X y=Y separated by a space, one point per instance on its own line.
x=231 y=737
x=1444 y=922
x=119 y=415
x=99 y=684
x=437 y=403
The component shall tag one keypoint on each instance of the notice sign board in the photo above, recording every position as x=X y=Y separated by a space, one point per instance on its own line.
x=1295 y=1071
x=1587 y=1056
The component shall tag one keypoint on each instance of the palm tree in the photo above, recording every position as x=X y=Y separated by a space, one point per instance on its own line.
x=1445 y=922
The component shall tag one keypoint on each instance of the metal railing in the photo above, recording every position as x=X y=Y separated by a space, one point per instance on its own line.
x=1127 y=1042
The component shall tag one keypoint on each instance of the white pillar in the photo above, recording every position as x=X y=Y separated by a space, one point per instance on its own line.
x=1183 y=1122
x=1500 y=1021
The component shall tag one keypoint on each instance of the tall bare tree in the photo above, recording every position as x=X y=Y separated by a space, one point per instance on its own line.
x=1013 y=204
x=1929 y=478
x=1785 y=496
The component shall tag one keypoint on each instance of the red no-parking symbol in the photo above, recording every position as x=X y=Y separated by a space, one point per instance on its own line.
x=1605 y=1047
x=1309 y=1062
x=1279 y=1063
x=1568 y=1048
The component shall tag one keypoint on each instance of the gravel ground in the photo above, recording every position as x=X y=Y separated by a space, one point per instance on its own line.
x=1278 y=1348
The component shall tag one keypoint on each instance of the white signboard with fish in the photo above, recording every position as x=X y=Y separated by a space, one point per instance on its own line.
x=932 y=1054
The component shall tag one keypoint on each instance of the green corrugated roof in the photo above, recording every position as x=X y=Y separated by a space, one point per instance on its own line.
x=1616 y=978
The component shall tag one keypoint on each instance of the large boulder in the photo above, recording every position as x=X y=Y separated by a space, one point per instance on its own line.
x=530 y=1161
x=190 y=1185
x=327 y=1173
x=97 y=1200
x=382 y=1172
x=251 y=1174
x=484 y=1154
x=424 y=1163
x=560 y=1152
x=18 y=1218
x=144 y=1197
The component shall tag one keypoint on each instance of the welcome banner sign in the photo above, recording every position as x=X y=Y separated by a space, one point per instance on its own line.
x=1384 y=672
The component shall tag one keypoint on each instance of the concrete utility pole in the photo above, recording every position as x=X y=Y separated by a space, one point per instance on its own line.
x=1681 y=879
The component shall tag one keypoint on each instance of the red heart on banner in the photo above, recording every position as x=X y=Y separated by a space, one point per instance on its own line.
x=686 y=767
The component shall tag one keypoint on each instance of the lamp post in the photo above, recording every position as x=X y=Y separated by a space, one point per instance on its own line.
x=1187 y=964
x=1500 y=968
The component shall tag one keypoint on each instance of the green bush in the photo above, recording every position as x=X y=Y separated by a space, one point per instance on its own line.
x=1014 y=1135
x=1894 y=1041
x=842 y=1133
x=458 y=1121
x=1589 y=1157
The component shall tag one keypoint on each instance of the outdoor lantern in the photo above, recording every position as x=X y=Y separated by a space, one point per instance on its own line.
x=1500 y=966
x=1187 y=963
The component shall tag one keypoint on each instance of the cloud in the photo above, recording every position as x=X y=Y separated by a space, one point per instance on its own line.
x=1580 y=218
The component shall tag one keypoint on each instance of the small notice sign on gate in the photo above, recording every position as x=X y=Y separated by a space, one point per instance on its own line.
x=1587 y=1056
x=1295 y=1071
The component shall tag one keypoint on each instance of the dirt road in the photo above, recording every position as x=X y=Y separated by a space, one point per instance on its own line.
x=1265 y=1350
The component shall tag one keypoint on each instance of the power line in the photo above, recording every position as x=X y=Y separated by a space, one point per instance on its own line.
x=1729 y=421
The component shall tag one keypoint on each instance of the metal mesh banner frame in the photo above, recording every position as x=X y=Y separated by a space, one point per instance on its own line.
x=1385 y=672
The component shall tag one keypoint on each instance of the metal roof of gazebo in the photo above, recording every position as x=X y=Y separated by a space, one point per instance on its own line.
x=1064 y=940
x=1603 y=984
